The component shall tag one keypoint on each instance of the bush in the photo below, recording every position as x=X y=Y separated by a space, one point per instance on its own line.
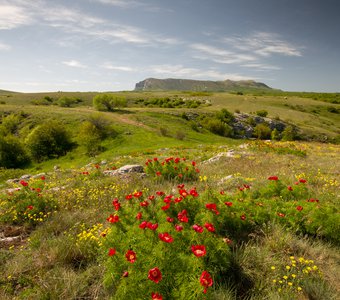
x=262 y=113
x=218 y=127
x=48 y=140
x=262 y=131
x=12 y=153
x=68 y=101
x=289 y=134
x=90 y=138
x=108 y=102
x=225 y=116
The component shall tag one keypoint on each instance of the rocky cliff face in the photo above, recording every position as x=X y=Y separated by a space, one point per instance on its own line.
x=154 y=84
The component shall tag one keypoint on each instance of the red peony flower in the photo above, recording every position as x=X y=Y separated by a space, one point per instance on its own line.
x=155 y=275
x=143 y=225
x=166 y=207
x=182 y=216
x=137 y=194
x=112 y=252
x=212 y=207
x=128 y=197
x=170 y=220
x=210 y=227
x=198 y=250
x=144 y=203
x=113 y=219
x=282 y=215
x=139 y=216
x=198 y=228
x=42 y=177
x=152 y=226
x=228 y=203
x=131 y=256
x=160 y=193
x=206 y=281
x=273 y=178
x=23 y=183
x=180 y=186
x=158 y=173
x=243 y=217
x=156 y=296
x=193 y=192
x=289 y=188
x=227 y=241
x=30 y=207
x=178 y=227
x=116 y=204
x=299 y=208
x=166 y=237
x=126 y=274
x=302 y=180
x=152 y=197
x=183 y=193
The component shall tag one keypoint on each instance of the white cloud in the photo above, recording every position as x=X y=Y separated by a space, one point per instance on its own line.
x=263 y=44
x=178 y=71
x=74 y=64
x=4 y=47
x=12 y=16
x=220 y=55
x=119 y=3
x=119 y=68
x=261 y=66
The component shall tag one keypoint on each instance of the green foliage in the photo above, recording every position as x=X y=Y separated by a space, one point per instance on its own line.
x=90 y=138
x=172 y=169
x=68 y=101
x=262 y=113
x=28 y=205
x=275 y=135
x=167 y=102
x=262 y=131
x=10 y=123
x=12 y=153
x=225 y=116
x=289 y=133
x=48 y=140
x=108 y=102
x=217 y=126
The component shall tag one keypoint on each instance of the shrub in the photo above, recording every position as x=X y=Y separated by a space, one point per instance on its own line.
x=11 y=123
x=28 y=205
x=68 y=101
x=275 y=135
x=90 y=138
x=262 y=113
x=218 y=127
x=108 y=102
x=289 y=133
x=12 y=153
x=262 y=131
x=48 y=140
x=172 y=168
x=225 y=116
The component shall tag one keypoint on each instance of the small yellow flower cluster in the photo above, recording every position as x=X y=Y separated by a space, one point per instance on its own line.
x=92 y=234
x=294 y=273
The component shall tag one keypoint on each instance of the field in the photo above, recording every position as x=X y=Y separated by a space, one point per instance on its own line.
x=211 y=217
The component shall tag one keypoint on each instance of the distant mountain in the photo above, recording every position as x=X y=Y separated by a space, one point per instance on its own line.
x=154 y=84
x=3 y=92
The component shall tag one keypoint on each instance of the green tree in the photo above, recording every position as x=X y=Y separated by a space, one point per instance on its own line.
x=225 y=116
x=12 y=153
x=108 y=102
x=275 y=135
x=90 y=138
x=218 y=127
x=48 y=140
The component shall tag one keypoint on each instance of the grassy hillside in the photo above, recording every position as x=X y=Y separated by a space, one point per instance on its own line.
x=214 y=217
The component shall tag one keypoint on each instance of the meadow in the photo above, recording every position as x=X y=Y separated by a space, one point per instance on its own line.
x=212 y=217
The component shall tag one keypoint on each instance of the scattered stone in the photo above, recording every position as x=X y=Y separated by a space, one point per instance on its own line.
x=56 y=168
x=25 y=177
x=124 y=170
x=38 y=175
x=225 y=179
x=11 y=181
x=230 y=153
x=103 y=162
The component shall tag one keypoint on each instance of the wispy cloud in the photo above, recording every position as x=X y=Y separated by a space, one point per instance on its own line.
x=260 y=66
x=118 y=68
x=263 y=44
x=12 y=16
x=132 y=4
x=4 y=47
x=180 y=71
x=74 y=64
x=220 y=55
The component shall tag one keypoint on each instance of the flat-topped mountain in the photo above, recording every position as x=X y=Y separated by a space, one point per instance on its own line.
x=154 y=84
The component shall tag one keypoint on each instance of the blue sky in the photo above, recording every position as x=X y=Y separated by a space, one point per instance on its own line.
x=109 y=45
